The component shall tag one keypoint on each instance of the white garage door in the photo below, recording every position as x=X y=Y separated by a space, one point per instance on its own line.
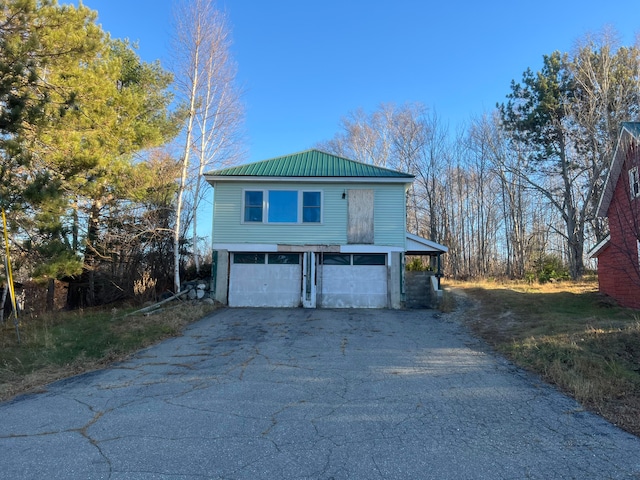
x=265 y=280
x=353 y=281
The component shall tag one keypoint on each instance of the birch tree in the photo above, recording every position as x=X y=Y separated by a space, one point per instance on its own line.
x=205 y=74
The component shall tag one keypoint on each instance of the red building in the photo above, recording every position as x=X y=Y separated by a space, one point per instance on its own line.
x=618 y=254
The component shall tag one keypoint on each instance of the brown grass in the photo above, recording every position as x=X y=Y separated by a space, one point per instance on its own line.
x=69 y=343
x=570 y=335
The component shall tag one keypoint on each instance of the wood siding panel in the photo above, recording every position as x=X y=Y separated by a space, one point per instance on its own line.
x=360 y=217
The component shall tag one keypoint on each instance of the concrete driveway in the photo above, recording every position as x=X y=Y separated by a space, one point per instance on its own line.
x=311 y=394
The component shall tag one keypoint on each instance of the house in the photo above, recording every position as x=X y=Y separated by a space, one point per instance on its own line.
x=618 y=253
x=312 y=229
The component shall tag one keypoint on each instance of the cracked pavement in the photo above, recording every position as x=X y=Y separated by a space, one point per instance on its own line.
x=311 y=394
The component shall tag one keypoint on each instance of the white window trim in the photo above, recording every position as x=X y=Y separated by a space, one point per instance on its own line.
x=634 y=182
x=265 y=206
x=301 y=207
x=244 y=199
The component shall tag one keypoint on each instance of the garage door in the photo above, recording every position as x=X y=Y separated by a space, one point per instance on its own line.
x=265 y=280
x=353 y=281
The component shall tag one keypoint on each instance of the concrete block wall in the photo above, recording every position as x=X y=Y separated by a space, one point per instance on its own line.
x=417 y=289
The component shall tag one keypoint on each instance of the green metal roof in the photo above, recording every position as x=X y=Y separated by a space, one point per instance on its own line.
x=310 y=163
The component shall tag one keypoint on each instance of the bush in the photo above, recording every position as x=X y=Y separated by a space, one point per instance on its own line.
x=190 y=274
x=416 y=264
x=549 y=268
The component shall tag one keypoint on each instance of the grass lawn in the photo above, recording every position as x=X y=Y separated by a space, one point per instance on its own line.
x=568 y=334
x=55 y=346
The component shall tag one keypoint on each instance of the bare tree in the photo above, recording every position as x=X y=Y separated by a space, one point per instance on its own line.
x=420 y=147
x=607 y=93
x=365 y=137
x=568 y=115
x=407 y=137
x=205 y=75
x=506 y=158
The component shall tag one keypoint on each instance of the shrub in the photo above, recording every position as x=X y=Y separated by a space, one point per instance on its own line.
x=549 y=268
x=416 y=264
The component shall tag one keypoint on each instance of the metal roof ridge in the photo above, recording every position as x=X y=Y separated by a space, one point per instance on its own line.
x=321 y=157
x=356 y=161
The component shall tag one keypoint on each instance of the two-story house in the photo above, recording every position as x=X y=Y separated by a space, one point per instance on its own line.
x=618 y=253
x=311 y=229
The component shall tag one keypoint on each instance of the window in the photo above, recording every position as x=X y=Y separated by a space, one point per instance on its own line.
x=369 y=259
x=634 y=182
x=253 y=258
x=282 y=206
x=253 y=206
x=283 y=259
x=336 y=259
x=311 y=206
x=354 y=259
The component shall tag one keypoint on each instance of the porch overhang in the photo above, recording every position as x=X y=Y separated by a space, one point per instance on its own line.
x=416 y=245
x=602 y=244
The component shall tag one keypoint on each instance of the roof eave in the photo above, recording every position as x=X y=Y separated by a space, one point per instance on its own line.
x=595 y=251
x=417 y=245
x=613 y=175
x=261 y=179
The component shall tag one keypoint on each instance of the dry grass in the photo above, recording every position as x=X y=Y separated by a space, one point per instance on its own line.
x=58 y=346
x=448 y=302
x=570 y=335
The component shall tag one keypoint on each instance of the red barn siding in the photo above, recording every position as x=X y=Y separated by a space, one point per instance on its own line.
x=618 y=264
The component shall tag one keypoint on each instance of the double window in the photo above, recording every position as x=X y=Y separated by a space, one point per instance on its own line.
x=271 y=258
x=282 y=206
x=354 y=259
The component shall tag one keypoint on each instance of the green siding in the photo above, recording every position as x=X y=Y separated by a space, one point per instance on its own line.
x=389 y=215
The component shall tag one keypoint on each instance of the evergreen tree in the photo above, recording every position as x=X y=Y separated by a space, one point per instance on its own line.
x=83 y=107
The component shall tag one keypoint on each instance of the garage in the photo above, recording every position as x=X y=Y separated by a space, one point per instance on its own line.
x=348 y=280
x=265 y=280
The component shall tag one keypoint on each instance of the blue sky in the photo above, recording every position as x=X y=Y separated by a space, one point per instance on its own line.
x=306 y=63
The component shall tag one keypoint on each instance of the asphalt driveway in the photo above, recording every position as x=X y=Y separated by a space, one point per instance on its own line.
x=311 y=394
